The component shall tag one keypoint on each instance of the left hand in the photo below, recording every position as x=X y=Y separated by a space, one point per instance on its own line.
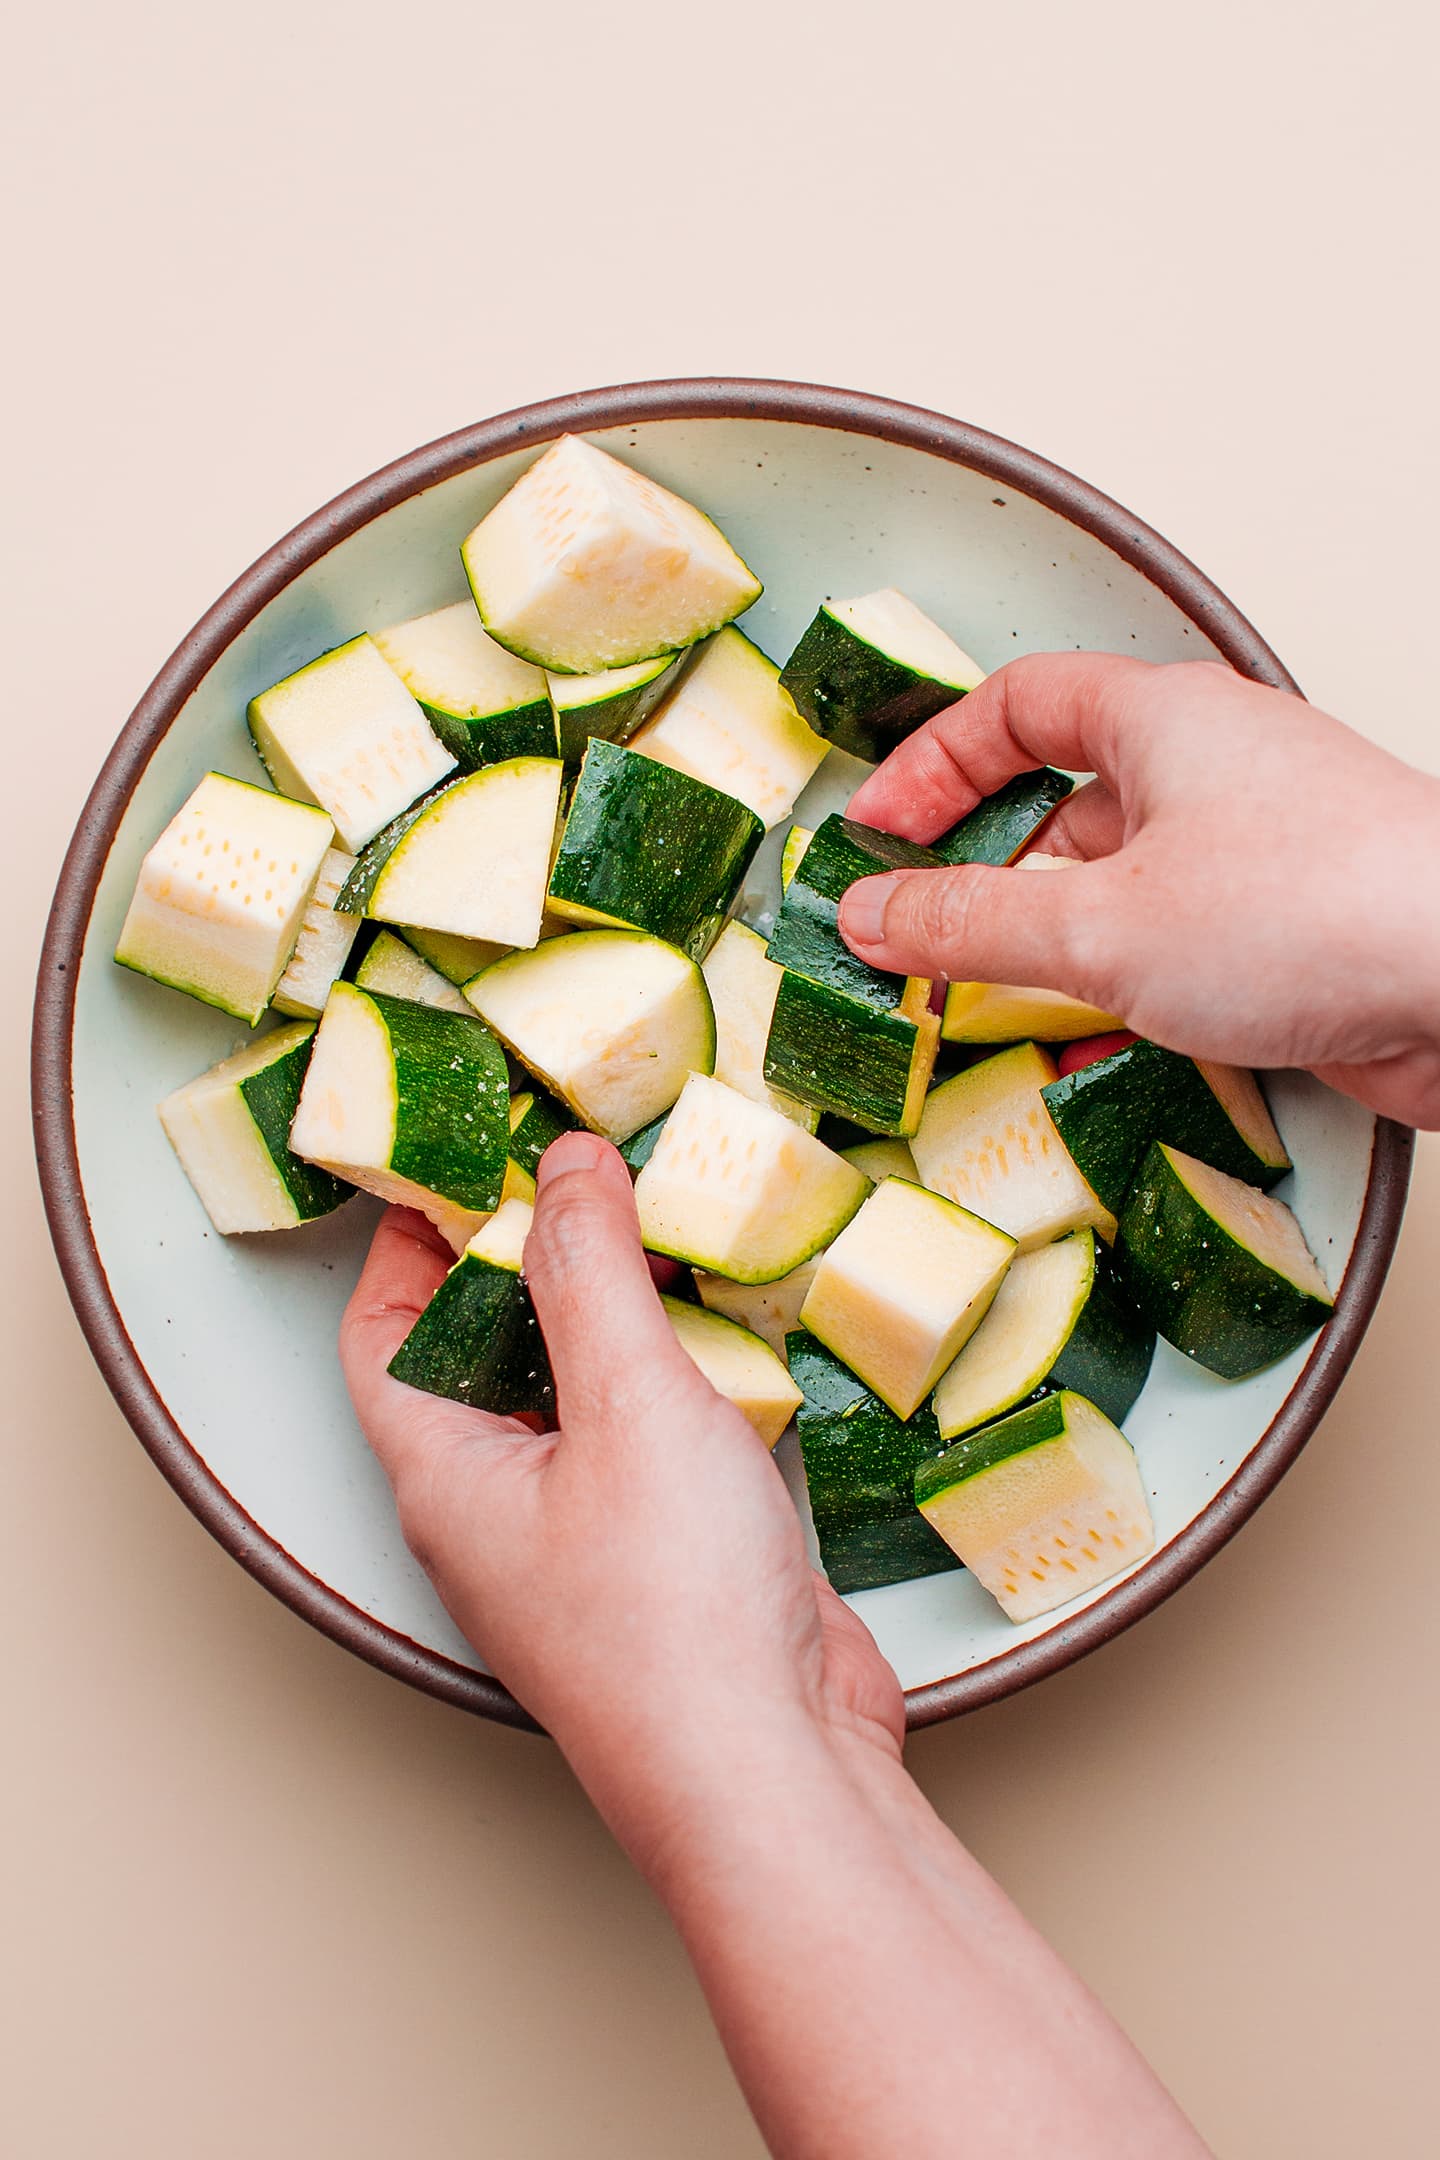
x=639 y=1577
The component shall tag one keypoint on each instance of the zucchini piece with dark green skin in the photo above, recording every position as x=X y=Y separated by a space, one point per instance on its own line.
x=998 y=828
x=860 y=1463
x=648 y=848
x=478 y=1340
x=637 y=1150
x=458 y=959
x=1058 y=1321
x=1109 y=1112
x=837 y=1052
x=1218 y=1267
x=483 y=703
x=230 y=1129
x=612 y=704
x=537 y=1118
x=807 y=936
x=869 y=671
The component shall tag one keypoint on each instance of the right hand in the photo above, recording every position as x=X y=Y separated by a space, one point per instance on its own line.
x=1259 y=884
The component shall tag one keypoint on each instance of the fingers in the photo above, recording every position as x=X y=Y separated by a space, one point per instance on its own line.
x=1088 y=823
x=612 y=1350
x=1066 y=709
x=982 y=925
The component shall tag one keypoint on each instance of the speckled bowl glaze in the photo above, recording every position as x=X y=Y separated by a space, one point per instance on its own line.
x=221 y=1354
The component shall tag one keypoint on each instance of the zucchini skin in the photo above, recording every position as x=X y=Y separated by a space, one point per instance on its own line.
x=615 y=718
x=998 y=828
x=1030 y=1426
x=544 y=1121
x=637 y=1150
x=806 y=937
x=493 y=738
x=478 y=1342
x=854 y=694
x=355 y=894
x=271 y=1096
x=452 y=1115
x=649 y=848
x=1110 y=1350
x=1108 y=1114
x=838 y=1052
x=860 y=1463
x=1199 y=1287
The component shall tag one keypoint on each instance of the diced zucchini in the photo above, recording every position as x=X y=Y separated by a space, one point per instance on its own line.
x=651 y=849
x=323 y=946
x=611 y=1021
x=637 y=1150
x=613 y=703
x=731 y=724
x=883 y=1158
x=868 y=671
x=458 y=959
x=478 y=1341
x=1220 y=1268
x=1108 y=1113
x=406 y=1101
x=345 y=733
x=231 y=1130
x=860 y=1462
x=903 y=1288
x=586 y=564
x=770 y=1310
x=987 y=1141
x=999 y=827
x=471 y=860
x=743 y=982
x=221 y=895
x=484 y=704
x=536 y=1119
x=1041 y=1507
x=735 y=1188
x=792 y=853
x=396 y=968
x=1005 y=1013
x=738 y=1366
x=807 y=936
x=1056 y=1322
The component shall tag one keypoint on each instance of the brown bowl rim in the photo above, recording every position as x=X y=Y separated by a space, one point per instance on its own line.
x=720 y=397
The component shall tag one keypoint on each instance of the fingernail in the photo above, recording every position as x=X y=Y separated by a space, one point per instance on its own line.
x=572 y=1151
x=862 y=910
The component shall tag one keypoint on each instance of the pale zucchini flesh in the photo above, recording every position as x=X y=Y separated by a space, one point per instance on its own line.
x=612 y=704
x=323 y=946
x=743 y=982
x=483 y=703
x=770 y=1310
x=883 y=1158
x=738 y=1365
x=473 y=863
x=1006 y=1013
x=392 y=966
x=729 y=723
x=230 y=1130
x=987 y=1141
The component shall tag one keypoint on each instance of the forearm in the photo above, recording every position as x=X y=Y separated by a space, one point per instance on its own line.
x=875 y=1991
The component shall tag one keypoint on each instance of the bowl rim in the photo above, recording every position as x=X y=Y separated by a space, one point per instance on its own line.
x=57 y=1156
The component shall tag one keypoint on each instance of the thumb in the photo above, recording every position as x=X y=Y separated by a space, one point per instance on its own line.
x=982 y=925
x=612 y=1349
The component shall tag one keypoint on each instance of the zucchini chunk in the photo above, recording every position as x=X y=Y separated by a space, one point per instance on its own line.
x=586 y=564
x=868 y=671
x=743 y=982
x=646 y=848
x=396 y=968
x=478 y=1341
x=770 y=1310
x=323 y=946
x=848 y=1038
x=345 y=733
x=612 y=704
x=637 y=1150
x=903 y=1288
x=1221 y=1269
x=471 y=860
x=611 y=1021
x=406 y=1101
x=231 y=1129
x=535 y=1120
x=1042 y=1506
x=988 y=1142
x=998 y=828
x=1057 y=1322
x=1108 y=1113
x=735 y=1188
x=221 y=895
x=1004 y=1013
x=484 y=704
x=731 y=724
x=458 y=959
x=883 y=1158
x=860 y=1463
x=738 y=1366
x=796 y=841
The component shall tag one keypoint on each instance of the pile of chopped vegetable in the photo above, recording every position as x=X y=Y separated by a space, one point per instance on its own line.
x=492 y=894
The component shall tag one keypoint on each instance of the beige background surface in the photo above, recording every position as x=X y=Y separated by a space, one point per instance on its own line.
x=257 y=1898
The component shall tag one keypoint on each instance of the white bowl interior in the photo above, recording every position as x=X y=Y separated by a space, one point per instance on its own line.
x=238 y=1335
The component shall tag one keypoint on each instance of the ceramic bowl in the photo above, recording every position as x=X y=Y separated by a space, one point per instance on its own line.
x=221 y=1353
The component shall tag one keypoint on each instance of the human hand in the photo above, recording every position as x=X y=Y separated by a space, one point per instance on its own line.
x=1260 y=884
x=639 y=1578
